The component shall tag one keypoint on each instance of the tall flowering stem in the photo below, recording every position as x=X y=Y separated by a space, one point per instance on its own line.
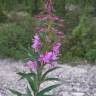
x=46 y=49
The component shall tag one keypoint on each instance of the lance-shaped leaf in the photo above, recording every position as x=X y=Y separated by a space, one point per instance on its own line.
x=42 y=92
x=47 y=95
x=15 y=92
x=28 y=92
x=52 y=79
x=25 y=75
x=50 y=70
x=28 y=77
x=30 y=54
x=32 y=84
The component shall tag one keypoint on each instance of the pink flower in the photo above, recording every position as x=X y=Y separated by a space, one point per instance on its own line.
x=56 y=47
x=41 y=17
x=46 y=58
x=52 y=65
x=40 y=29
x=48 y=6
x=60 y=35
x=54 y=56
x=61 y=20
x=61 y=23
x=36 y=43
x=32 y=65
x=54 y=30
x=54 y=18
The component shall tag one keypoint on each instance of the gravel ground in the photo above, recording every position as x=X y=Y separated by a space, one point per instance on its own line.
x=76 y=81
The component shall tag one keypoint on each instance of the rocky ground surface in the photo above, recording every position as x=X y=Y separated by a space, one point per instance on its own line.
x=76 y=81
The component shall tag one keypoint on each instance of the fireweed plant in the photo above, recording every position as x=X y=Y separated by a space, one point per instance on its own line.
x=46 y=50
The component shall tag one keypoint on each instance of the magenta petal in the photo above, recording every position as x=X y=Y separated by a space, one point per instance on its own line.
x=40 y=29
x=41 y=17
x=32 y=65
x=36 y=42
x=47 y=57
x=54 y=18
x=56 y=47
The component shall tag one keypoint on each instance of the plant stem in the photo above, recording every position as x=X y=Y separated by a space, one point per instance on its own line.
x=39 y=75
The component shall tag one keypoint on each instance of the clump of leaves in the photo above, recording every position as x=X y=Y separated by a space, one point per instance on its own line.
x=45 y=50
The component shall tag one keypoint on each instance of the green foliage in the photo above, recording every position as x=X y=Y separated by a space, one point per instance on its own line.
x=42 y=92
x=60 y=11
x=80 y=34
x=3 y=17
x=13 y=36
x=16 y=92
x=47 y=72
x=91 y=55
x=30 y=6
x=71 y=19
x=81 y=43
x=35 y=80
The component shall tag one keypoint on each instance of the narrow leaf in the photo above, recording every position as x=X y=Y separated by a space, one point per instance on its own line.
x=31 y=56
x=50 y=70
x=16 y=92
x=42 y=92
x=52 y=79
x=28 y=92
x=25 y=75
x=32 y=84
x=28 y=76
x=47 y=95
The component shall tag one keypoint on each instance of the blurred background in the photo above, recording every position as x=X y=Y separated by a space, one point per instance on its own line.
x=17 y=28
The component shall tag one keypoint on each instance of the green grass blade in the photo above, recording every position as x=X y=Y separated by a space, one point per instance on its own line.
x=32 y=84
x=15 y=92
x=42 y=92
x=52 y=79
x=25 y=75
x=28 y=92
x=47 y=95
x=50 y=70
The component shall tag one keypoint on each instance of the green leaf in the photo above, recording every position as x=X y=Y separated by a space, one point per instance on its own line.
x=25 y=75
x=28 y=92
x=47 y=95
x=28 y=77
x=16 y=92
x=42 y=36
x=52 y=79
x=23 y=48
x=31 y=56
x=50 y=70
x=32 y=84
x=24 y=95
x=42 y=92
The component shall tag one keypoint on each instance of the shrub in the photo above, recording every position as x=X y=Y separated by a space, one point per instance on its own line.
x=45 y=51
x=71 y=20
x=14 y=35
x=3 y=16
x=82 y=42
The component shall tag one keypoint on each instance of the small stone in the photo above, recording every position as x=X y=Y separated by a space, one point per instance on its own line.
x=64 y=94
x=0 y=94
x=77 y=94
x=95 y=94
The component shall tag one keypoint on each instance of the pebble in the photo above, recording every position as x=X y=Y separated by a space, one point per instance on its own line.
x=0 y=94
x=76 y=81
x=77 y=94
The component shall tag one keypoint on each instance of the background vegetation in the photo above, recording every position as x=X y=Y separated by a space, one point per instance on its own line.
x=17 y=27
